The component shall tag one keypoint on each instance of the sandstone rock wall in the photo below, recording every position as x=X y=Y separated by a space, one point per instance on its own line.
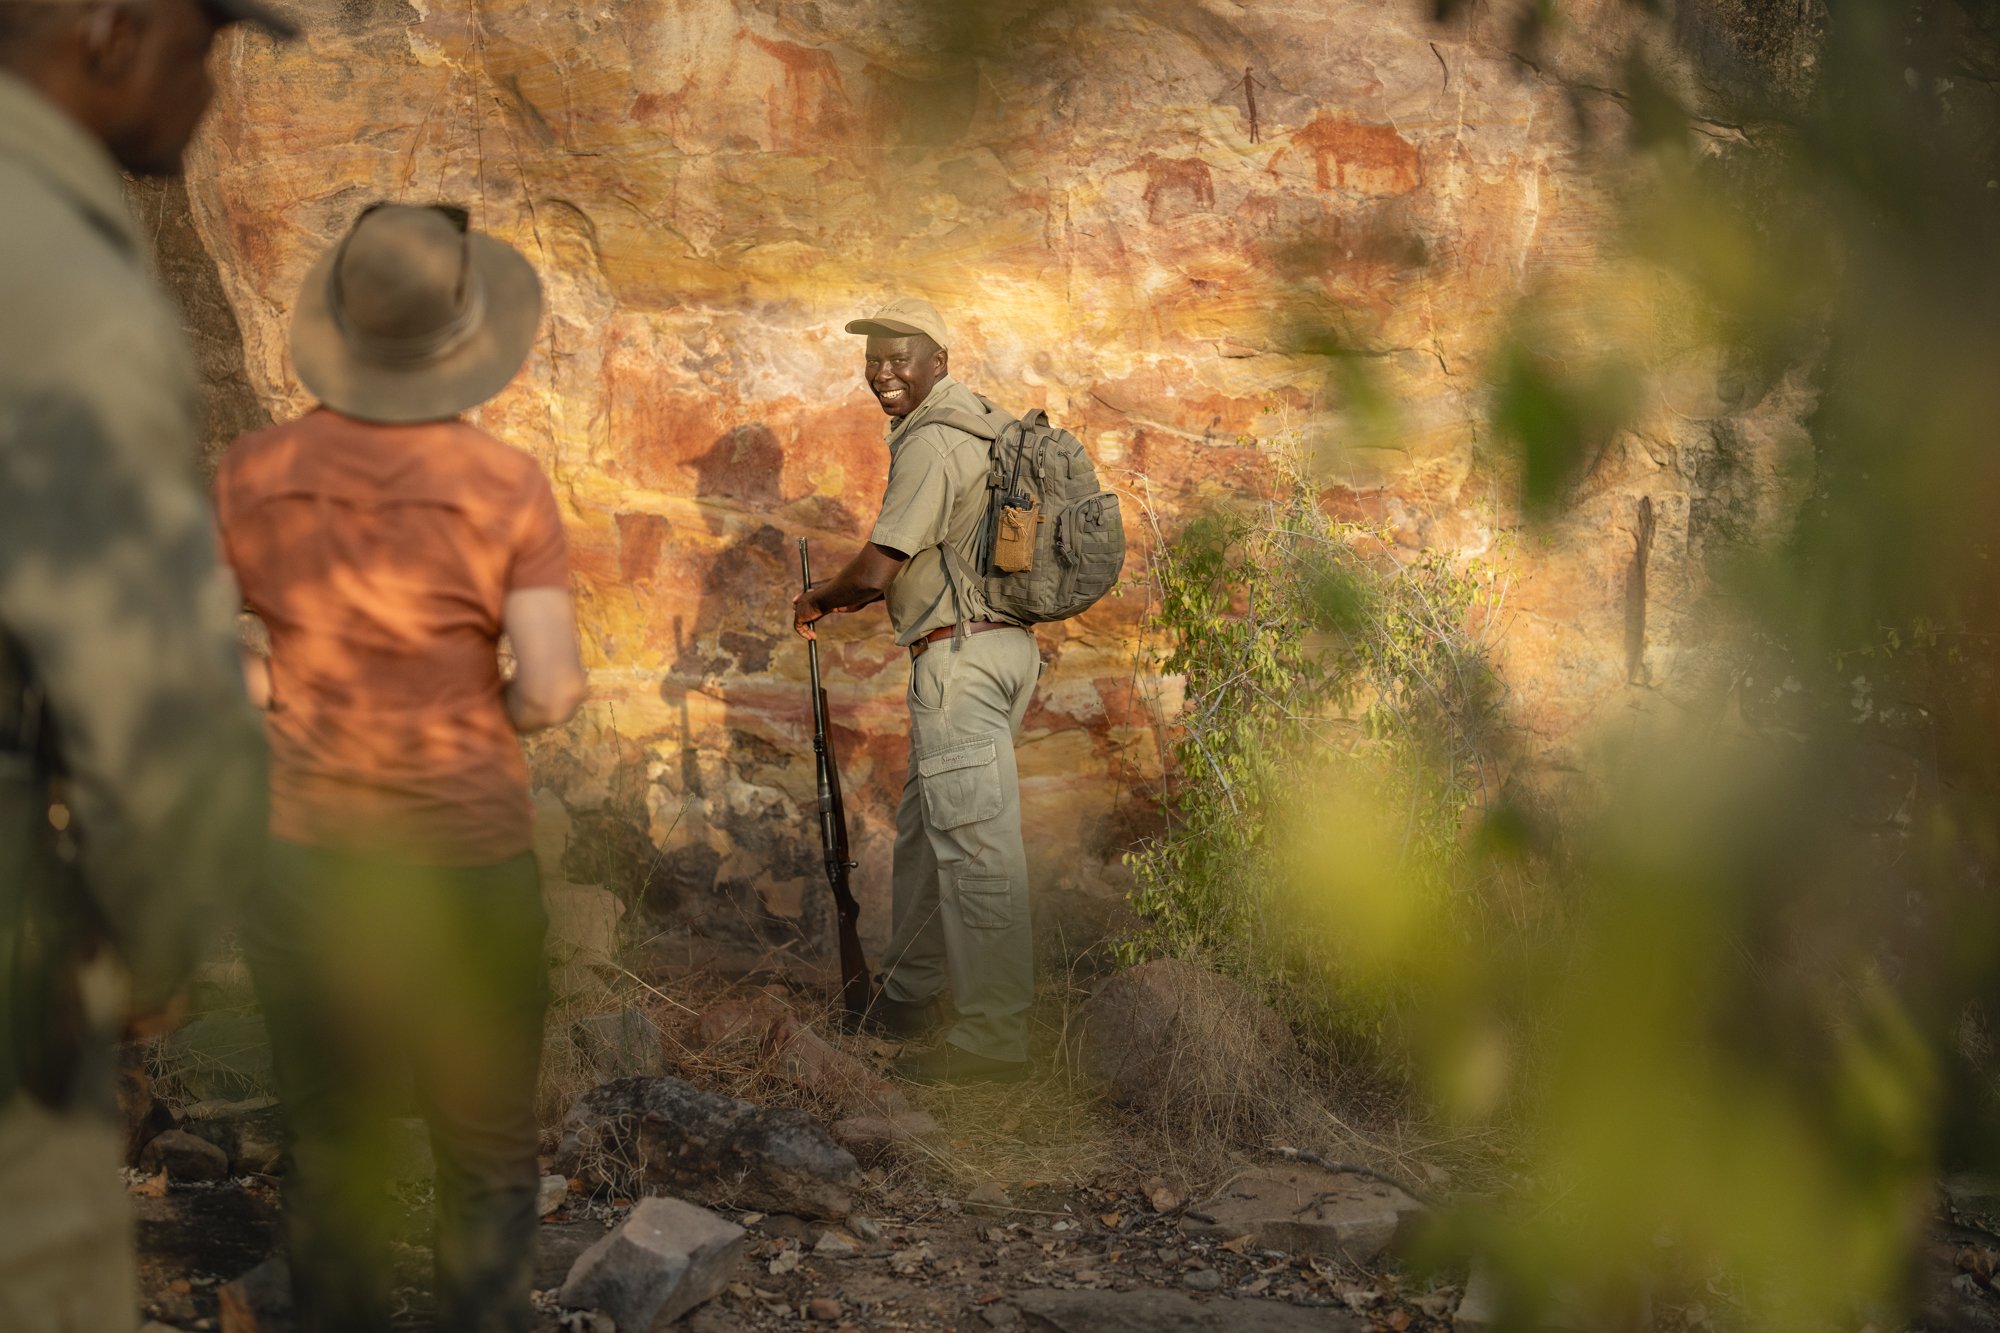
x=1142 y=216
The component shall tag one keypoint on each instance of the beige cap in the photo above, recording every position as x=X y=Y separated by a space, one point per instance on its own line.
x=902 y=317
x=230 y=11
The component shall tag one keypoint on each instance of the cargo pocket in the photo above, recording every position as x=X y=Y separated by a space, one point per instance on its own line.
x=985 y=902
x=961 y=783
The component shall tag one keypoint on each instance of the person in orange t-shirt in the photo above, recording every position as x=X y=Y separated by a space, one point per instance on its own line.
x=387 y=545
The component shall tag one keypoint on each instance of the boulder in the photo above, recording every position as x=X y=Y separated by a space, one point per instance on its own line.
x=661 y=1135
x=620 y=1044
x=550 y=1194
x=794 y=1050
x=816 y=1064
x=583 y=921
x=1168 y=1038
x=741 y=1019
x=184 y=1157
x=1309 y=1211
x=251 y=1132
x=665 y=1258
x=141 y=1115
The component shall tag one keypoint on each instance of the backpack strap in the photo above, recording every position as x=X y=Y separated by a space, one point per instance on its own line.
x=961 y=579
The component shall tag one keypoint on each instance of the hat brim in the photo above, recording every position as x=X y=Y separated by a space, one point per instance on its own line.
x=461 y=379
x=889 y=328
x=262 y=16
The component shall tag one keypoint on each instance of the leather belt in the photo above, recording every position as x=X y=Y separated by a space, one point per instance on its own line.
x=946 y=631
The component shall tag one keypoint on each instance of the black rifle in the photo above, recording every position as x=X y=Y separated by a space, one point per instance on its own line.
x=854 y=984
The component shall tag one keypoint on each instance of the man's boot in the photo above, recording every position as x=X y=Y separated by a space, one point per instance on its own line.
x=902 y=1020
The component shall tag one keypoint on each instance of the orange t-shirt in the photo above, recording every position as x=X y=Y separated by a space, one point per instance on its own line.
x=380 y=558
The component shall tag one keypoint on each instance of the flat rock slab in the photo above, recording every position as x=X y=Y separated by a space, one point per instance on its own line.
x=665 y=1258
x=252 y=1133
x=664 y=1136
x=1974 y=1193
x=1307 y=1210
x=184 y=1157
x=1168 y=1312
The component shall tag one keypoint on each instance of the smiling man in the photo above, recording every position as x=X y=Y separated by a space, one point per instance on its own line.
x=961 y=871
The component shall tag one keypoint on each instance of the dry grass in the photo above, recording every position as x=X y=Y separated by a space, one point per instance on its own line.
x=1056 y=1130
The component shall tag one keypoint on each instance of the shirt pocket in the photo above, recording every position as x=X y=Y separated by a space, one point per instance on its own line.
x=985 y=902
x=960 y=783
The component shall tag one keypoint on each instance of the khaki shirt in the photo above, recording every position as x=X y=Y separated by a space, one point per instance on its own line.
x=111 y=596
x=936 y=496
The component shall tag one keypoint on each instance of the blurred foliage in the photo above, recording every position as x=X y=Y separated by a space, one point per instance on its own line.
x=1297 y=637
x=1727 y=989
x=1740 y=1064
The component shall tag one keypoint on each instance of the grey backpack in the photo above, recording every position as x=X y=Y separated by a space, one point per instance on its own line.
x=1053 y=541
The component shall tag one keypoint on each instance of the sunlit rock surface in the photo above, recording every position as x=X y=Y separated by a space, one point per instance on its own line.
x=712 y=187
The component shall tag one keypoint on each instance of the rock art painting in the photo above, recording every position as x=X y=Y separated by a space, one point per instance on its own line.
x=1122 y=207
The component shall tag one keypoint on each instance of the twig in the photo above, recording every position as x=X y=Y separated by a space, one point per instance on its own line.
x=1353 y=1169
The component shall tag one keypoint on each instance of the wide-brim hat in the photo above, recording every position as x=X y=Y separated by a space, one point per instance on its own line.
x=414 y=317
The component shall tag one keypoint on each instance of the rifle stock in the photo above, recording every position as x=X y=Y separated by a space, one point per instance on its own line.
x=855 y=987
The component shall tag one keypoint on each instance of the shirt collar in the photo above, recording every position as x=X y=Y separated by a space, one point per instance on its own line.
x=897 y=429
x=34 y=132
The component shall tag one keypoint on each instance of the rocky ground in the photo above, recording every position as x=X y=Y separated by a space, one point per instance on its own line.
x=1103 y=1257
x=919 y=1259
x=862 y=1204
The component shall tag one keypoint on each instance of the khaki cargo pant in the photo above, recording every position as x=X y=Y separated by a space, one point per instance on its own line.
x=961 y=873
x=65 y=1223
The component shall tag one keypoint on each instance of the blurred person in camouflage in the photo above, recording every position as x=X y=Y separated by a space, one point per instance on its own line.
x=131 y=774
x=387 y=544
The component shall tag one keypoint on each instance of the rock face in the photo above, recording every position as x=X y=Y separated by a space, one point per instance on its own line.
x=664 y=1259
x=1143 y=217
x=1170 y=1037
x=660 y=1135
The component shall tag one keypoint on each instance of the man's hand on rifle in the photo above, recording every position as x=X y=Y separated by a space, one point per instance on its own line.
x=805 y=610
x=864 y=581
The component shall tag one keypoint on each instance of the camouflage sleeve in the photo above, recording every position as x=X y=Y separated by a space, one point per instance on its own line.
x=110 y=587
